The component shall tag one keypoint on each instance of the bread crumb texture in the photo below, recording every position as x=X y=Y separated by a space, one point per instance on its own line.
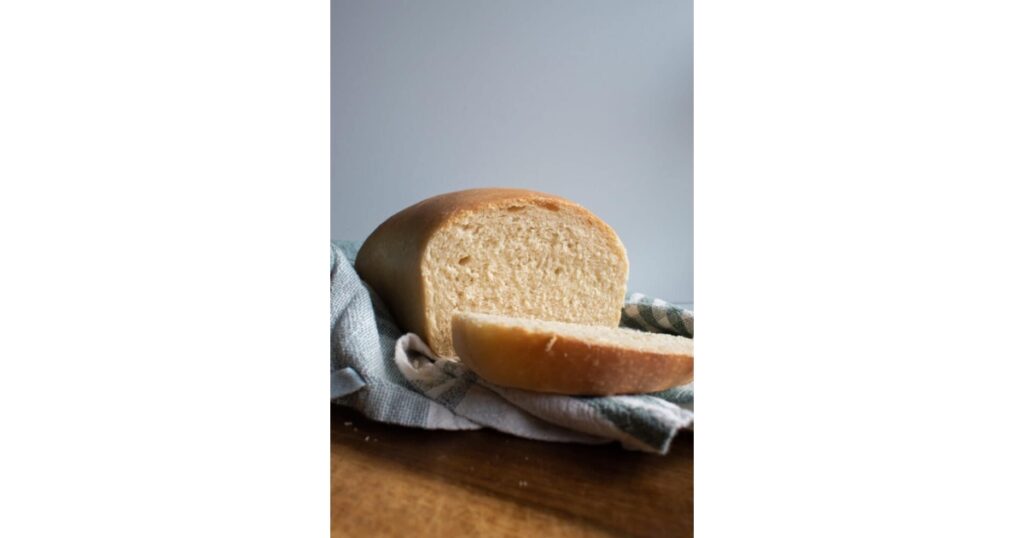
x=527 y=256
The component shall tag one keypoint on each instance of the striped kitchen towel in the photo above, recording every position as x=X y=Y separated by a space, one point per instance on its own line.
x=394 y=377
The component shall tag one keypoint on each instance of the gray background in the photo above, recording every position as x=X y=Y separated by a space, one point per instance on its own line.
x=587 y=99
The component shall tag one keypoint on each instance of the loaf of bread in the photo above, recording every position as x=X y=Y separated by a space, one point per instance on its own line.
x=496 y=251
x=565 y=358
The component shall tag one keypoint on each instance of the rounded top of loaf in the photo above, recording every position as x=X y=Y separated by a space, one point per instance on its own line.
x=436 y=210
x=409 y=229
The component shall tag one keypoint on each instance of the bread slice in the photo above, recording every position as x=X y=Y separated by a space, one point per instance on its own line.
x=497 y=251
x=565 y=358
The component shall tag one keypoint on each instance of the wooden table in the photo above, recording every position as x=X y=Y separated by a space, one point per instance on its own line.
x=389 y=481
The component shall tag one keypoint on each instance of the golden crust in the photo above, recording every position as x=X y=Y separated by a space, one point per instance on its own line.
x=391 y=258
x=543 y=361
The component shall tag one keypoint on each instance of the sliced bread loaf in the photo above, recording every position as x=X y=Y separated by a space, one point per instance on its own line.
x=498 y=251
x=565 y=358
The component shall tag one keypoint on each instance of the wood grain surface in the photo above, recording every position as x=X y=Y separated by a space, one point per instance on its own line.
x=390 y=480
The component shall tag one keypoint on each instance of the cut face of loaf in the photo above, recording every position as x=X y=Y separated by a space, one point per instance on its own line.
x=497 y=251
x=564 y=358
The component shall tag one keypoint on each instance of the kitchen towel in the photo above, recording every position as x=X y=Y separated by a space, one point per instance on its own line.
x=394 y=377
